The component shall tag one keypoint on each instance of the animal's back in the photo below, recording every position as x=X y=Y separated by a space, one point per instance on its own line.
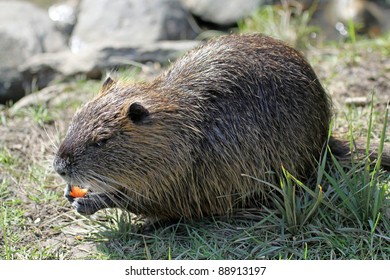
x=261 y=107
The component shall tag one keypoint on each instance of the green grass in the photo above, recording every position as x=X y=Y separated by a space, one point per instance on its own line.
x=289 y=22
x=43 y=3
x=24 y=187
x=11 y=215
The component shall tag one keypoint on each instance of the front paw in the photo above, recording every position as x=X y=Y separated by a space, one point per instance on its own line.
x=85 y=206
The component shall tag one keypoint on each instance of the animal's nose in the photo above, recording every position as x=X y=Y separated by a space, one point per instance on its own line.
x=61 y=167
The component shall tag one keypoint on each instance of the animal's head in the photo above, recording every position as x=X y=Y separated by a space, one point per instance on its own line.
x=127 y=140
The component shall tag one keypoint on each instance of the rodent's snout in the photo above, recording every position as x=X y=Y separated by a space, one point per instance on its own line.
x=61 y=167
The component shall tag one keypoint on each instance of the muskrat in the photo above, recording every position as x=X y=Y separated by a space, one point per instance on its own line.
x=178 y=146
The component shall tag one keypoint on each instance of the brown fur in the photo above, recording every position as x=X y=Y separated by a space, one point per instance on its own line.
x=178 y=146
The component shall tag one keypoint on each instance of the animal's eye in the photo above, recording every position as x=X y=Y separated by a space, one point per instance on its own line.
x=99 y=143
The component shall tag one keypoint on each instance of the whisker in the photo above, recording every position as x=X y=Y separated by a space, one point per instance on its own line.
x=103 y=184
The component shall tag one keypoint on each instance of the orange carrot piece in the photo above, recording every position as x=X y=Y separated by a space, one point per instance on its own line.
x=76 y=191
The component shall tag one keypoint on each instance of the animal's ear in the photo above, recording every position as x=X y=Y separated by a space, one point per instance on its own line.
x=108 y=83
x=137 y=112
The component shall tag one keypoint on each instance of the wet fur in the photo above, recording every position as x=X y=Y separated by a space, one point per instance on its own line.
x=239 y=104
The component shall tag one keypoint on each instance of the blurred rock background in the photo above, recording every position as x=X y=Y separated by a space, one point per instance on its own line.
x=43 y=41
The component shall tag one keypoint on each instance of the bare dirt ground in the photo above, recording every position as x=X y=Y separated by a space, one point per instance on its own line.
x=51 y=229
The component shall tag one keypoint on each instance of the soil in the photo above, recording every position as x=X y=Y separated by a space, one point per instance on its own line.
x=51 y=225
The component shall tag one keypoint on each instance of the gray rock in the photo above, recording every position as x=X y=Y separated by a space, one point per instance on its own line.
x=25 y=30
x=43 y=97
x=98 y=58
x=130 y=22
x=222 y=12
x=64 y=15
